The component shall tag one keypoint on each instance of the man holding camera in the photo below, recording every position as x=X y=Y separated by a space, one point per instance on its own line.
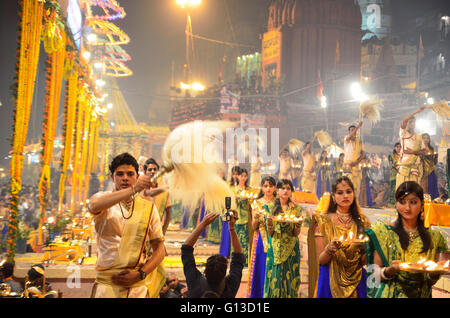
x=213 y=283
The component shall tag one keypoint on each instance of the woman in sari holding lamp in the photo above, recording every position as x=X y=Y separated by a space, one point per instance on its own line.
x=283 y=254
x=243 y=195
x=394 y=250
x=335 y=246
x=258 y=254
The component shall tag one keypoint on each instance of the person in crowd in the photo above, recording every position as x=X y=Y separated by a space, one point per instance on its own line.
x=394 y=159
x=158 y=196
x=429 y=181
x=174 y=284
x=407 y=240
x=411 y=150
x=244 y=212
x=335 y=263
x=234 y=175
x=283 y=254
x=36 y=286
x=339 y=167
x=365 y=195
x=127 y=226
x=258 y=255
x=167 y=292
x=386 y=167
x=323 y=174
x=309 y=176
x=354 y=153
x=7 y=277
x=214 y=283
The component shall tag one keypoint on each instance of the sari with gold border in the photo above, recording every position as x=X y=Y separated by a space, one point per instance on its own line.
x=131 y=253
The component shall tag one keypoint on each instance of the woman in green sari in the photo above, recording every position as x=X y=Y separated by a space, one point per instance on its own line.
x=244 y=212
x=407 y=240
x=283 y=254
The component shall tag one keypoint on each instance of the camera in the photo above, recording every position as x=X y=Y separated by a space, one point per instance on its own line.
x=228 y=214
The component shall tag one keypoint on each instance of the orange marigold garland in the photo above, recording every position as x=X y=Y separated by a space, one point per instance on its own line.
x=30 y=13
x=82 y=100
x=55 y=68
x=68 y=128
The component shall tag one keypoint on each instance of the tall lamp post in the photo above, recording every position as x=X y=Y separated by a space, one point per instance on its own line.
x=188 y=4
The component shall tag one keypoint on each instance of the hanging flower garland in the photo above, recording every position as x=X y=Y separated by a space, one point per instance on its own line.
x=82 y=100
x=55 y=69
x=84 y=148
x=95 y=159
x=30 y=13
x=92 y=132
x=68 y=128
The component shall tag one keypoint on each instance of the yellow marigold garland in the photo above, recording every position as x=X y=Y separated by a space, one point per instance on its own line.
x=68 y=128
x=84 y=149
x=55 y=69
x=30 y=13
x=82 y=101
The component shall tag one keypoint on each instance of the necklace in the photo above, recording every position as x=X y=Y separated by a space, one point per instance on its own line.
x=412 y=234
x=132 y=210
x=344 y=218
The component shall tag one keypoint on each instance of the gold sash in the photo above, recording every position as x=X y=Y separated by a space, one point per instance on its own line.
x=131 y=250
x=161 y=202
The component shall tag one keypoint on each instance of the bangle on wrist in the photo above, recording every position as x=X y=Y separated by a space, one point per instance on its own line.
x=329 y=251
x=232 y=229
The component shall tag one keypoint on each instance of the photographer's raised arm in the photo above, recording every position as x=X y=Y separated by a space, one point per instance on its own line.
x=207 y=220
x=235 y=243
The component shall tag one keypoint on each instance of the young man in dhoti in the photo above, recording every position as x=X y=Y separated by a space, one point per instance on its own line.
x=353 y=154
x=309 y=176
x=127 y=226
x=161 y=199
x=410 y=168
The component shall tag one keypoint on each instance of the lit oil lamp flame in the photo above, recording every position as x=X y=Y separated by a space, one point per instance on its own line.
x=350 y=235
x=404 y=265
x=430 y=265
x=447 y=264
x=423 y=260
x=341 y=238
